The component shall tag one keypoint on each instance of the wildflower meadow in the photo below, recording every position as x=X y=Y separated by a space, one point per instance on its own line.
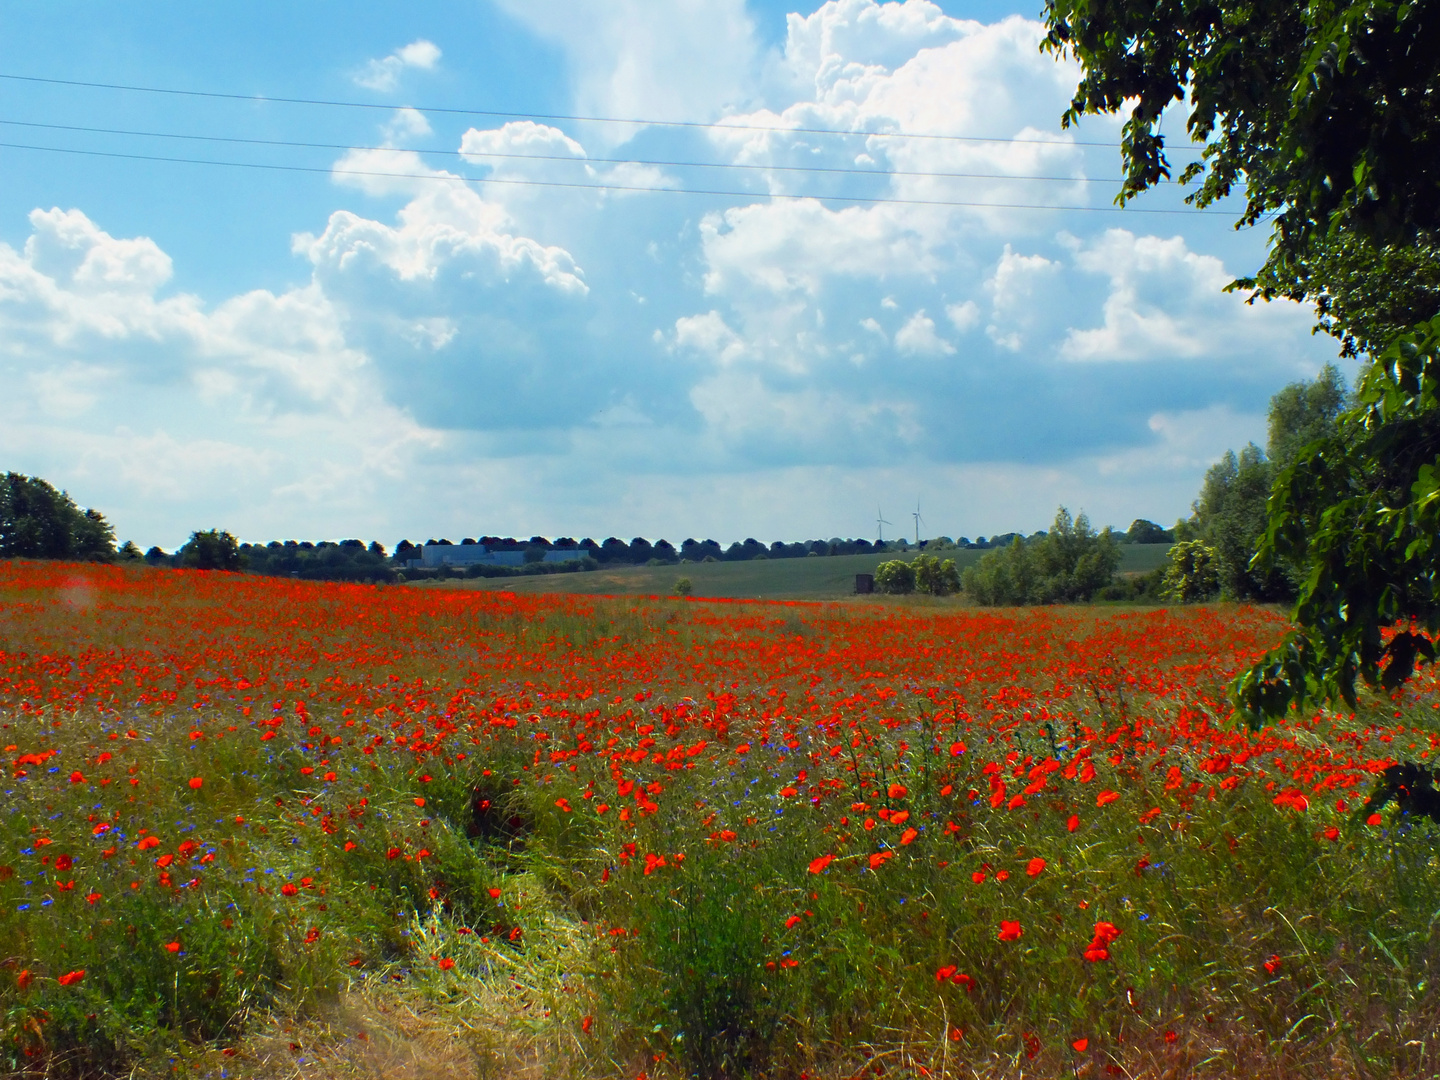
x=245 y=819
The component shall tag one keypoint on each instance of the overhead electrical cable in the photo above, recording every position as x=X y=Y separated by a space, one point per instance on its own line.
x=470 y=155
x=513 y=182
x=719 y=125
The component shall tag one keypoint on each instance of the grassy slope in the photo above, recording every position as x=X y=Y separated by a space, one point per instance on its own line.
x=819 y=578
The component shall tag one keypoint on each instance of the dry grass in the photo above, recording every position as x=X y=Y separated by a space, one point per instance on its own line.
x=380 y=1031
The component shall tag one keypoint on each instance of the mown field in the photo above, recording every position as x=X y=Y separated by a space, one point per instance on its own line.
x=829 y=577
x=261 y=827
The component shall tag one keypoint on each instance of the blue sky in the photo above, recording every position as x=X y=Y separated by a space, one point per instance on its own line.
x=363 y=337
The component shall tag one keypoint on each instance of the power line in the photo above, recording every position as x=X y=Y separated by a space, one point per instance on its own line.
x=449 y=177
x=634 y=121
x=471 y=154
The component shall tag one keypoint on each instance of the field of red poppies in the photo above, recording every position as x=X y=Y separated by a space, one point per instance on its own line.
x=607 y=838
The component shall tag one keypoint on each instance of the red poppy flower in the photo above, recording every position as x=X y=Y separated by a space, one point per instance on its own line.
x=898 y=791
x=586 y=1024
x=1273 y=964
x=880 y=858
x=1035 y=867
x=70 y=978
x=24 y=979
x=173 y=947
x=792 y=922
x=446 y=963
x=76 y=777
x=1010 y=930
x=1105 y=797
x=196 y=783
x=1080 y=1045
x=908 y=836
x=1073 y=823
x=818 y=866
x=289 y=889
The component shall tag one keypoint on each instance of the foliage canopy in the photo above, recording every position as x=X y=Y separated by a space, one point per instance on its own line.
x=1327 y=113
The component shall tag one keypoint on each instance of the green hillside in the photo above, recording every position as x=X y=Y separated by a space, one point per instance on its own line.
x=818 y=578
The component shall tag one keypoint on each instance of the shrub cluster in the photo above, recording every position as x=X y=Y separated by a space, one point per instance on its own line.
x=1070 y=562
x=923 y=574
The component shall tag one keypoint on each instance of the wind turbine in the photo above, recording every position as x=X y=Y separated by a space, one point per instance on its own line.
x=880 y=524
x=918 y=521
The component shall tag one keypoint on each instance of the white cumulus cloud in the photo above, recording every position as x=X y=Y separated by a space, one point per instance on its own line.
x=918 y=338
x=384 y=74
x=1167 y=302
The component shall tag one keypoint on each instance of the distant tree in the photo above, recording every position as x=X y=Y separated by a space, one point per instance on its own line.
x=683 y=587
x=1303 y=413
x=211 y=549
x=1231 y=515
x=1070 y=562
x=130 y=552
x=895 y=576
x=1190 y=576
x=1230 y=518
x=935 y=577
x=1147 y=532
x=38 y=522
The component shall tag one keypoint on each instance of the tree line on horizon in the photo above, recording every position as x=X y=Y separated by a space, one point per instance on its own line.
x=38 y=521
